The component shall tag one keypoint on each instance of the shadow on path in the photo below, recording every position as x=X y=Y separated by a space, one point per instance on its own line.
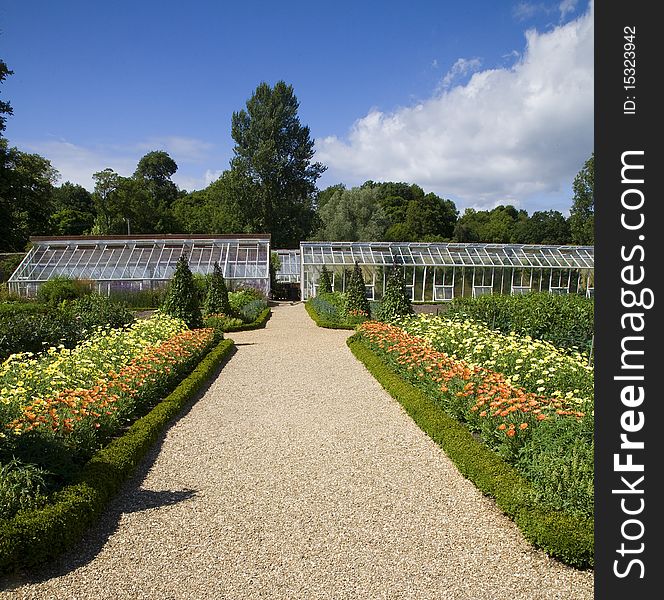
x=130 y=499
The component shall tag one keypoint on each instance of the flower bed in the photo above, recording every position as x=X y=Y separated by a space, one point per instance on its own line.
x=60 y=407
x=548 y=437
x=534 y=365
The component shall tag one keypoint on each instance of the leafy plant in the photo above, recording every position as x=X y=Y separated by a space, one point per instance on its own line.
x=324 y=282
x=357 y=304
x=216 y=300
x=395 y=302
x=20 y=487
x=182 y=297
x=59 y=289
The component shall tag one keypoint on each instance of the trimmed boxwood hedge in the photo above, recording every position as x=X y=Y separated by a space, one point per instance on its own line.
x=324 y=322
x=35 y=536
x=566 y=537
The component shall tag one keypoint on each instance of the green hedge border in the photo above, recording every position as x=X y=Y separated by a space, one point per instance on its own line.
x=33 y=537
x=566 y=537
x=322 y=322
x=260 y=322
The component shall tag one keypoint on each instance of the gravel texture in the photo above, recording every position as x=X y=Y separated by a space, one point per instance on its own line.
x=297 y=476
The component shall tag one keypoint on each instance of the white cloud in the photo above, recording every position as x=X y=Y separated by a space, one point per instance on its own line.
x=461 y=68
x=507 y=135
x=566 y=7
x=77 y=163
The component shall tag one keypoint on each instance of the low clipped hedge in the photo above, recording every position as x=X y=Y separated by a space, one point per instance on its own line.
x=566 y=537
x=35 y=536
x=322 y=322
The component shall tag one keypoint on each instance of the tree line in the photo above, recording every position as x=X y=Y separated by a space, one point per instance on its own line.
x=269 y=187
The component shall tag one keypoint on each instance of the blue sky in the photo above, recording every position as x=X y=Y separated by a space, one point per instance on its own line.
x=480 y=101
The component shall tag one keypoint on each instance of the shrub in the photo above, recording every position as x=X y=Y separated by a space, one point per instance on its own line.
x=182 y=298
x=324 y=282
x=95 y=310
x=144 y=299
x=216 y=300
x=357 y=304
x=567 y=321
x=395 y=302
x=250 y=311
x=242 y=296
x=59 y=289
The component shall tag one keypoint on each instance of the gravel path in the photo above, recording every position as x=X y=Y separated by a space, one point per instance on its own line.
x=297 y=477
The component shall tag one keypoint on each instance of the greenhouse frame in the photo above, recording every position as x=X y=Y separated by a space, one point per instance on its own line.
x=117 y=263
x=440 y=272
x=289 y=269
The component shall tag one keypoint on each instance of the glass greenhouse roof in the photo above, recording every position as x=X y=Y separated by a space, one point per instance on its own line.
x=447 y=254
x=146 y=257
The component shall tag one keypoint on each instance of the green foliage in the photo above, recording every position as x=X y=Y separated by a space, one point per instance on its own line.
x=250 y=311
x=395 y=302
x=33 y=537
x=59 y=289
x=216 y=300
x=32 y=327
x=275 y=265
x=559 y=460
x=21 y=487
x=582 y=213
x=140 y=299
x=357 y=303
x=324 y=282
x=272 y=159
x=499 y=225
x=242 y=296
x=95 y=310
x=223 y=323
x=326 y=313
x=565 y=536
x=8 y=264
x=565 y=320
x=352 y=215
x=182 y=299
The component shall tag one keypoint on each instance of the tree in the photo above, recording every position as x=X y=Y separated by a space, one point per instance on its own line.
x=74 y=211
x=545 y=227
x=181 y=299
x=395 y=302
x=217 y=208
x=324 y=282
x=104 y=197
x=352 y=215
x=356 y=295
x=431 y=216
x=273 y=154
x=5 y=107
x=26 y=188
x=582 y=213
x=216 y=300
x=154 y=172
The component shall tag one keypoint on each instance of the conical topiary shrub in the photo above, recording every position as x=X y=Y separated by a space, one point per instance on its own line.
x=182 y=298
x=324 y=282
x=216 y=300
x=357 y=304
x=395 y=302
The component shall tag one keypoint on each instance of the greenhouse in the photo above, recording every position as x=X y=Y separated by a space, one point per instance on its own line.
x=440 y=272
x=289 y=266
x=142 y=262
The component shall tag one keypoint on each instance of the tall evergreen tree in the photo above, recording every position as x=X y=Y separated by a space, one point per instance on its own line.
x=582 y=213
x=273 y=154
x=181 y=298
x=395 y=302
x=356 y=295
x=216 y=300
x=324 y=282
